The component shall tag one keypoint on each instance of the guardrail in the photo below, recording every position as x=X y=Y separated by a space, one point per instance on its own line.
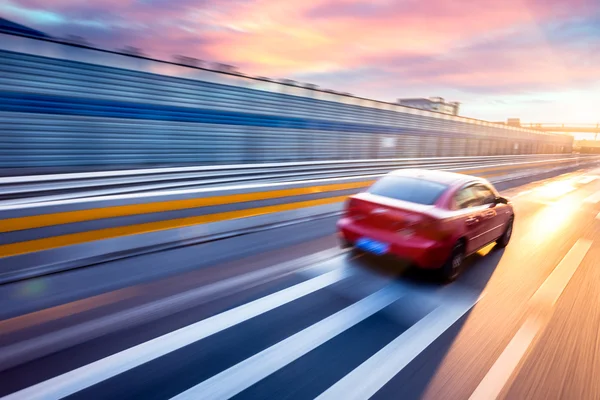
x=26 y=189
x=40 y=238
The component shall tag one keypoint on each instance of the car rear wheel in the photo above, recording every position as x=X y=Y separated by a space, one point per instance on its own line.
x=453 y=266
x=503 y=240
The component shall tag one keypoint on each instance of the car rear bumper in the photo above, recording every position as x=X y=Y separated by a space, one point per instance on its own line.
x=422 y=252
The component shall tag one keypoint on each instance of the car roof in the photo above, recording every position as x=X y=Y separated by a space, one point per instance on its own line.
x=443 y=177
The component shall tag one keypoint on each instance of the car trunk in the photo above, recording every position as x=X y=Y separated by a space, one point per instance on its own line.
x=387 y=214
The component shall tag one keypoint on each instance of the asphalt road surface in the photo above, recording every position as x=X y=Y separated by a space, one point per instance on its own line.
x=305 y=320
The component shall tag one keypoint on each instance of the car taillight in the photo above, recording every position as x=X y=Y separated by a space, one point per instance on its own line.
x=352 y=208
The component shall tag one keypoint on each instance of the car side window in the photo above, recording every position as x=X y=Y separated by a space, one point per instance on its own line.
x=466 y=197
x=485 y=194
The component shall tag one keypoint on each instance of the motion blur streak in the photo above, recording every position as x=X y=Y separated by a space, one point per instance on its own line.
x=54 y=313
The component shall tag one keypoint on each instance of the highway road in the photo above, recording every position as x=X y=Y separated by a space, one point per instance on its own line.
x=285 y=314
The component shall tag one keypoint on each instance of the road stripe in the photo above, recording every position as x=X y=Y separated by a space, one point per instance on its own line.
x=546 y=296
x=544 y=202
x=98 y=371
x=496 y=378
x=42 y=345
x=558 y=279
x=246 y=373
x=598 y=216
x=594 y=198
x=365 y=380
x=587 y=179
x=53 y=242
x=523 y=193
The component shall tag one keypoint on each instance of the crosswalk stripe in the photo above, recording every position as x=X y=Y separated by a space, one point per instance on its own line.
x=308 y=266
x=98 y=371
x=246 y=373
x=369 y=377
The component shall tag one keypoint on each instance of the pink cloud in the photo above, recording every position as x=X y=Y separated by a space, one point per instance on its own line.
x=319 y=35
x=368 y=47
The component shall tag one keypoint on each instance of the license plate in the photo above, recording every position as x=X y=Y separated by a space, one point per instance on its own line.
x=372 y=246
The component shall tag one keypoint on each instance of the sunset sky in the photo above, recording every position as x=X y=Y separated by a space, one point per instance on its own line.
x=534 y=59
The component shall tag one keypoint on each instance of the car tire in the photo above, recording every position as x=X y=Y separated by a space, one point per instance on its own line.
x=454 y=265
x=503 y=240
x=354 y=252
x=344 y=244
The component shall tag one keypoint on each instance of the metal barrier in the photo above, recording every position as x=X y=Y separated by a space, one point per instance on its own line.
x=68 y=106
x=46 y=237
x=26 y=189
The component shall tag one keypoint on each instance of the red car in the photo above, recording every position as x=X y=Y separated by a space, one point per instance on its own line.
x=434 y=219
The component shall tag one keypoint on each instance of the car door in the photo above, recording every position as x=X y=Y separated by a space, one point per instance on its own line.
x=467 y=204
x=492 y=215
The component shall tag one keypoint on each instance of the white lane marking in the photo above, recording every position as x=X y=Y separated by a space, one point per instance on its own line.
x=246 y=373
x=598 y=216
x=587 y=179
x=594 y=198
x=558 y=279
x=365 y=380
x=523 y=193
x=42 y=345
x=554 y=190
x=495 y=380
x=544 y=202
x=98 y=371
x=547 y=295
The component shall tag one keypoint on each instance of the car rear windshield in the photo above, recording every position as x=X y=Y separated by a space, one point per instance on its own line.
x=415 y=190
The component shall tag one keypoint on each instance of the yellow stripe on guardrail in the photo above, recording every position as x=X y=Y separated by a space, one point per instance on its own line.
x=44 y=220
x=31 y=246
x=39 y=221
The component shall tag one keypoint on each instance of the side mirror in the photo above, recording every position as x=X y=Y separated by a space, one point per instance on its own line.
x=501 y=200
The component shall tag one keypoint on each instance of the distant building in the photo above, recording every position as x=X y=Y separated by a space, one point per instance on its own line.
x=7 y=26
x=513 y=122
x=432 y=104
x=510 y=122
